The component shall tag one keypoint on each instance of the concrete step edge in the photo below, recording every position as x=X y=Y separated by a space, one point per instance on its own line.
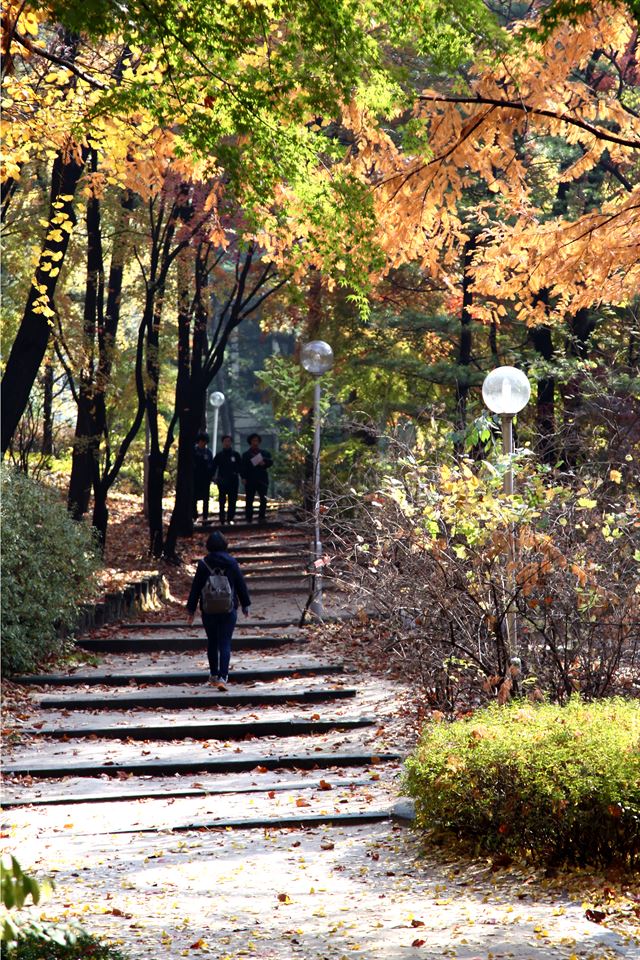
x=216 y=730
x=172 y=679
x=169 y=702
x=219 y=765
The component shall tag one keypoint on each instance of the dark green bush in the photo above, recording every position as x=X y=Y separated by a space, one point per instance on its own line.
x=48 y=562
x=554 y=783
x=84 y=947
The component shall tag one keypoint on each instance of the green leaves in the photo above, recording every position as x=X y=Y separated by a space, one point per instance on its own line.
x=554 y=782
x=16 y=886
x=48 y=564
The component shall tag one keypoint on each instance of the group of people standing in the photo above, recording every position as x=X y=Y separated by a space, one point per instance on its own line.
x=226 y=469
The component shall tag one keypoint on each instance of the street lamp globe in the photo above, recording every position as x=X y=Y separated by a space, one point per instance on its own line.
x=316 y=357
x=216 y=399
x=506 y=390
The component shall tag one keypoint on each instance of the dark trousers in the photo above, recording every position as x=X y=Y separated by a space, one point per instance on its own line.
x=253 y=487
x=219 y=629
x=227 y=496
x=202 y=493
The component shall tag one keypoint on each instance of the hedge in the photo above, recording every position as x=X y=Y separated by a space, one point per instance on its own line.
x=48 y=562
x=549 y=782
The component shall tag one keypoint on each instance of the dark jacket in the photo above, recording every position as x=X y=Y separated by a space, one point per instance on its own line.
x=219 y=561
x=226 y=467
x=252 y=474
x=202 y=469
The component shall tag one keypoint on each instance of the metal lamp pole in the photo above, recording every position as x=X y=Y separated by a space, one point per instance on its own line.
x=506 y=391
x=317 y=358
x=216 y=399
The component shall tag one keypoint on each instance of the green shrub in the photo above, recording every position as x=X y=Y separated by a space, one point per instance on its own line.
x=48 y=562
x=554 y=783
x=84 y=947
x=16 y=926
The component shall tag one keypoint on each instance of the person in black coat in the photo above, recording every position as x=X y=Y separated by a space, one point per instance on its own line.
x=226 y=470
x=255 y=463
x=219 y=627
x=202 y=473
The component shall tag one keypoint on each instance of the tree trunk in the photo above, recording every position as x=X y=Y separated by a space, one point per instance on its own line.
x=87 y=436
x=581 y=327
x=189 y=390
x=100 y=518
x=30 y=344
x=545 y=401
x=47 y=409
x=465 y=342
x=107 y=332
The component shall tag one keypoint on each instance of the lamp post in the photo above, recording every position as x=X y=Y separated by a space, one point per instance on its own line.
x=216 y=399
x=317 y=358
x=506 y=391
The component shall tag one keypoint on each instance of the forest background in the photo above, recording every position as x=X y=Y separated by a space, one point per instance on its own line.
x=433 y=188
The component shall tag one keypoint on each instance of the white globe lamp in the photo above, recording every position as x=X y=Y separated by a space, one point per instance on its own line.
x=216 y=399
x=316 y=357
x=506 y=390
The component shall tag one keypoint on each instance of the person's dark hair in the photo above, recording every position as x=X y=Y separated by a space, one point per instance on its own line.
x=252 y=435
x=202 y=435
x=216 y=542
x=227 y=436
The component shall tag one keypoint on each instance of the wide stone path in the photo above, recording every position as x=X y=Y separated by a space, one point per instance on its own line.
x=266 y=821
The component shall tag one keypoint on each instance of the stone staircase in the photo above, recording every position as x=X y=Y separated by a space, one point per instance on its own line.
x=142 y=723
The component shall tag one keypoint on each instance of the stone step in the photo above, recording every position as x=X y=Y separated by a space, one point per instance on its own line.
x=169 y=701
x=291 y=575
x=173 y=679
x=227 y=764
x=299 y=821
x=266 y=561
x=281 y=587
x=216 y=730
x=262 y=565
x=297 y=545
x=241 y=526
x=171 y=792
x=178 y=643
x=256 y=624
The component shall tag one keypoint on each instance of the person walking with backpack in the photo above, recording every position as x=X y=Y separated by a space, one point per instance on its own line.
x=219 y=589
x=226 y=470
x=255 y=463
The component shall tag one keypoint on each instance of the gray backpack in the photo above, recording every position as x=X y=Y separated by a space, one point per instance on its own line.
x=217 y=594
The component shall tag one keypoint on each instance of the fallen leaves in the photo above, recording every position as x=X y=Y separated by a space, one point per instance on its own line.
x=596 y=916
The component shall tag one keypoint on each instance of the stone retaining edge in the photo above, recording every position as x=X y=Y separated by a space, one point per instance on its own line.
x=115 y=605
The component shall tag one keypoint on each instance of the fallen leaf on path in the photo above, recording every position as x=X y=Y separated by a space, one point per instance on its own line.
x=596 y=916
